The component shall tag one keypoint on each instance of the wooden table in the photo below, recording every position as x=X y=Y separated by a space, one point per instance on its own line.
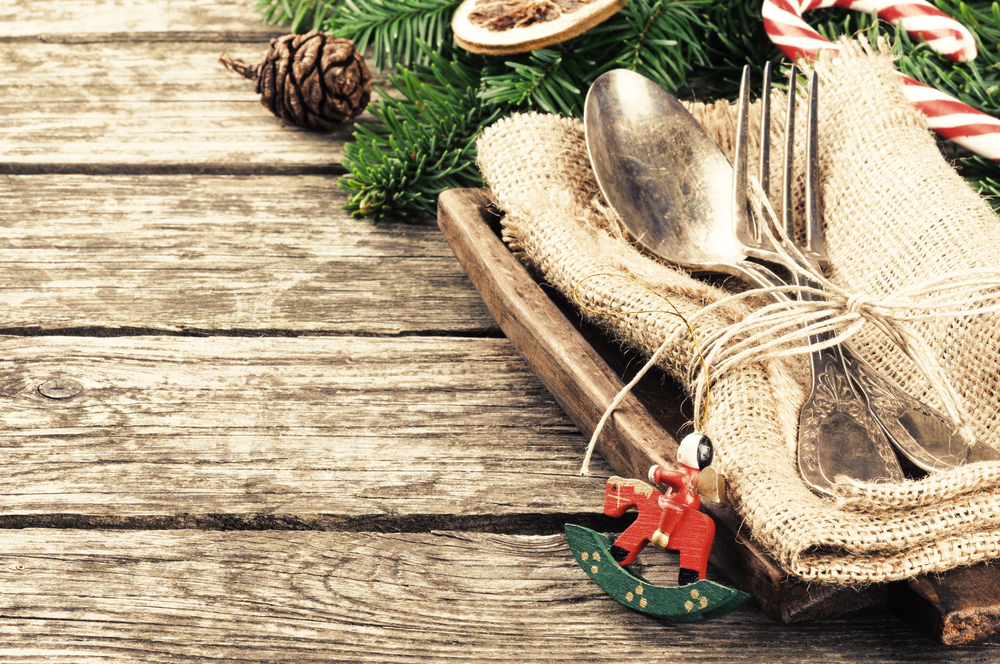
x=238 y=425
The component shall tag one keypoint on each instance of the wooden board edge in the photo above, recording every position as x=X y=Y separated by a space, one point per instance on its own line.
x=958 y=607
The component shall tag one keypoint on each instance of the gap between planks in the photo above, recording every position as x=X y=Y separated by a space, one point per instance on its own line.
x=149 y=105
x=175 y=36
x=128 y=18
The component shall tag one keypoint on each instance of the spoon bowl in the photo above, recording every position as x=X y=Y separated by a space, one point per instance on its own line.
x=661 y=172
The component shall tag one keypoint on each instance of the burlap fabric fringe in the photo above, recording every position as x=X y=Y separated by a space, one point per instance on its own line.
x=896 y=214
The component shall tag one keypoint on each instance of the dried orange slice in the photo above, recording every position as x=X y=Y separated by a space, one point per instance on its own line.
x=500 y=27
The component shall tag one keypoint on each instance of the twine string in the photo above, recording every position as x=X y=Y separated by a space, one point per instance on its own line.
x=585 y=467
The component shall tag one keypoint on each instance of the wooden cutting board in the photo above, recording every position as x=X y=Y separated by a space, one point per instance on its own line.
x=584 y=373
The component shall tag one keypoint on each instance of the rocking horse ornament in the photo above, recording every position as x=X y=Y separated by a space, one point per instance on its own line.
x=669 y=520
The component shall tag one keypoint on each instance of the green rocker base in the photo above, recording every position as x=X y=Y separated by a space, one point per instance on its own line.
x=702 y=600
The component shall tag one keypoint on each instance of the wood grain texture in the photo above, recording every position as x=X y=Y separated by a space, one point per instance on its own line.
x=317 y=431
x=133 y=105
x=577 y=377
x=237 y=498
x=79 y=596
x=263 y=255
x=961 y=605
x=48 y=18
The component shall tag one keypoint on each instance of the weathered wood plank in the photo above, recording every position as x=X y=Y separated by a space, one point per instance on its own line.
x=220 y=253
x=314 y=431
x=77 y=596
x=163 y=104
x=31 y=18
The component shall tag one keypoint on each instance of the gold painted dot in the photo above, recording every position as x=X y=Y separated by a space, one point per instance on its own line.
x=629 y=596
x=638 y=590
x=688 y=605
x=642 y=602
x=704 y=602
x=597 y=556
x=593 y=570
x=694 y=593
x=585 y=555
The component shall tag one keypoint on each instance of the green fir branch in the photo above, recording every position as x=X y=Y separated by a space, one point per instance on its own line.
x=735 y=37
x=421 y=144
x=976 y=83
x=982 y=176
x=556 y=79
x=544 y=80
x=394 y=29
x=663 y=40
x=982 y=18
x=425 y=142
x=301 y=15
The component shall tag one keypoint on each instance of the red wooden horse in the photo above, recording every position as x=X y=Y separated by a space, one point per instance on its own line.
x=670 y=521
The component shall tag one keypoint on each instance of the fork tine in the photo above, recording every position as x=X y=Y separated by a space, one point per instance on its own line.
x=765 y=131
x=814 y=233
x=787 y=218
x=740 y=217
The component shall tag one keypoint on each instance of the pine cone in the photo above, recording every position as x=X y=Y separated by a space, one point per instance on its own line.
x=311 y=80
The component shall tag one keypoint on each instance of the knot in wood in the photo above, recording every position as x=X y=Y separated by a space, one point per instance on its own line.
x=60 y=388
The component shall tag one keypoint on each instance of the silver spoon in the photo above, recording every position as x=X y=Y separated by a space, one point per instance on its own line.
x=672 y=186
x=663 y=175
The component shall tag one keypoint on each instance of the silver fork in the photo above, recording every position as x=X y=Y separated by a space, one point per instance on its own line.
x=837 y=434
x=922 y=434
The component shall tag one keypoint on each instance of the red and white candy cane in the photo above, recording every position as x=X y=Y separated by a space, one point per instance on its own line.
x=796 y=38
x=949 y=117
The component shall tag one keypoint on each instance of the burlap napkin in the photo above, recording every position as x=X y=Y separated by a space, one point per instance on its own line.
x=896 y=214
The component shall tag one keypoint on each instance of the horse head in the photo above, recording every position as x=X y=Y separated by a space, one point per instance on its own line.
x=621 y=494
